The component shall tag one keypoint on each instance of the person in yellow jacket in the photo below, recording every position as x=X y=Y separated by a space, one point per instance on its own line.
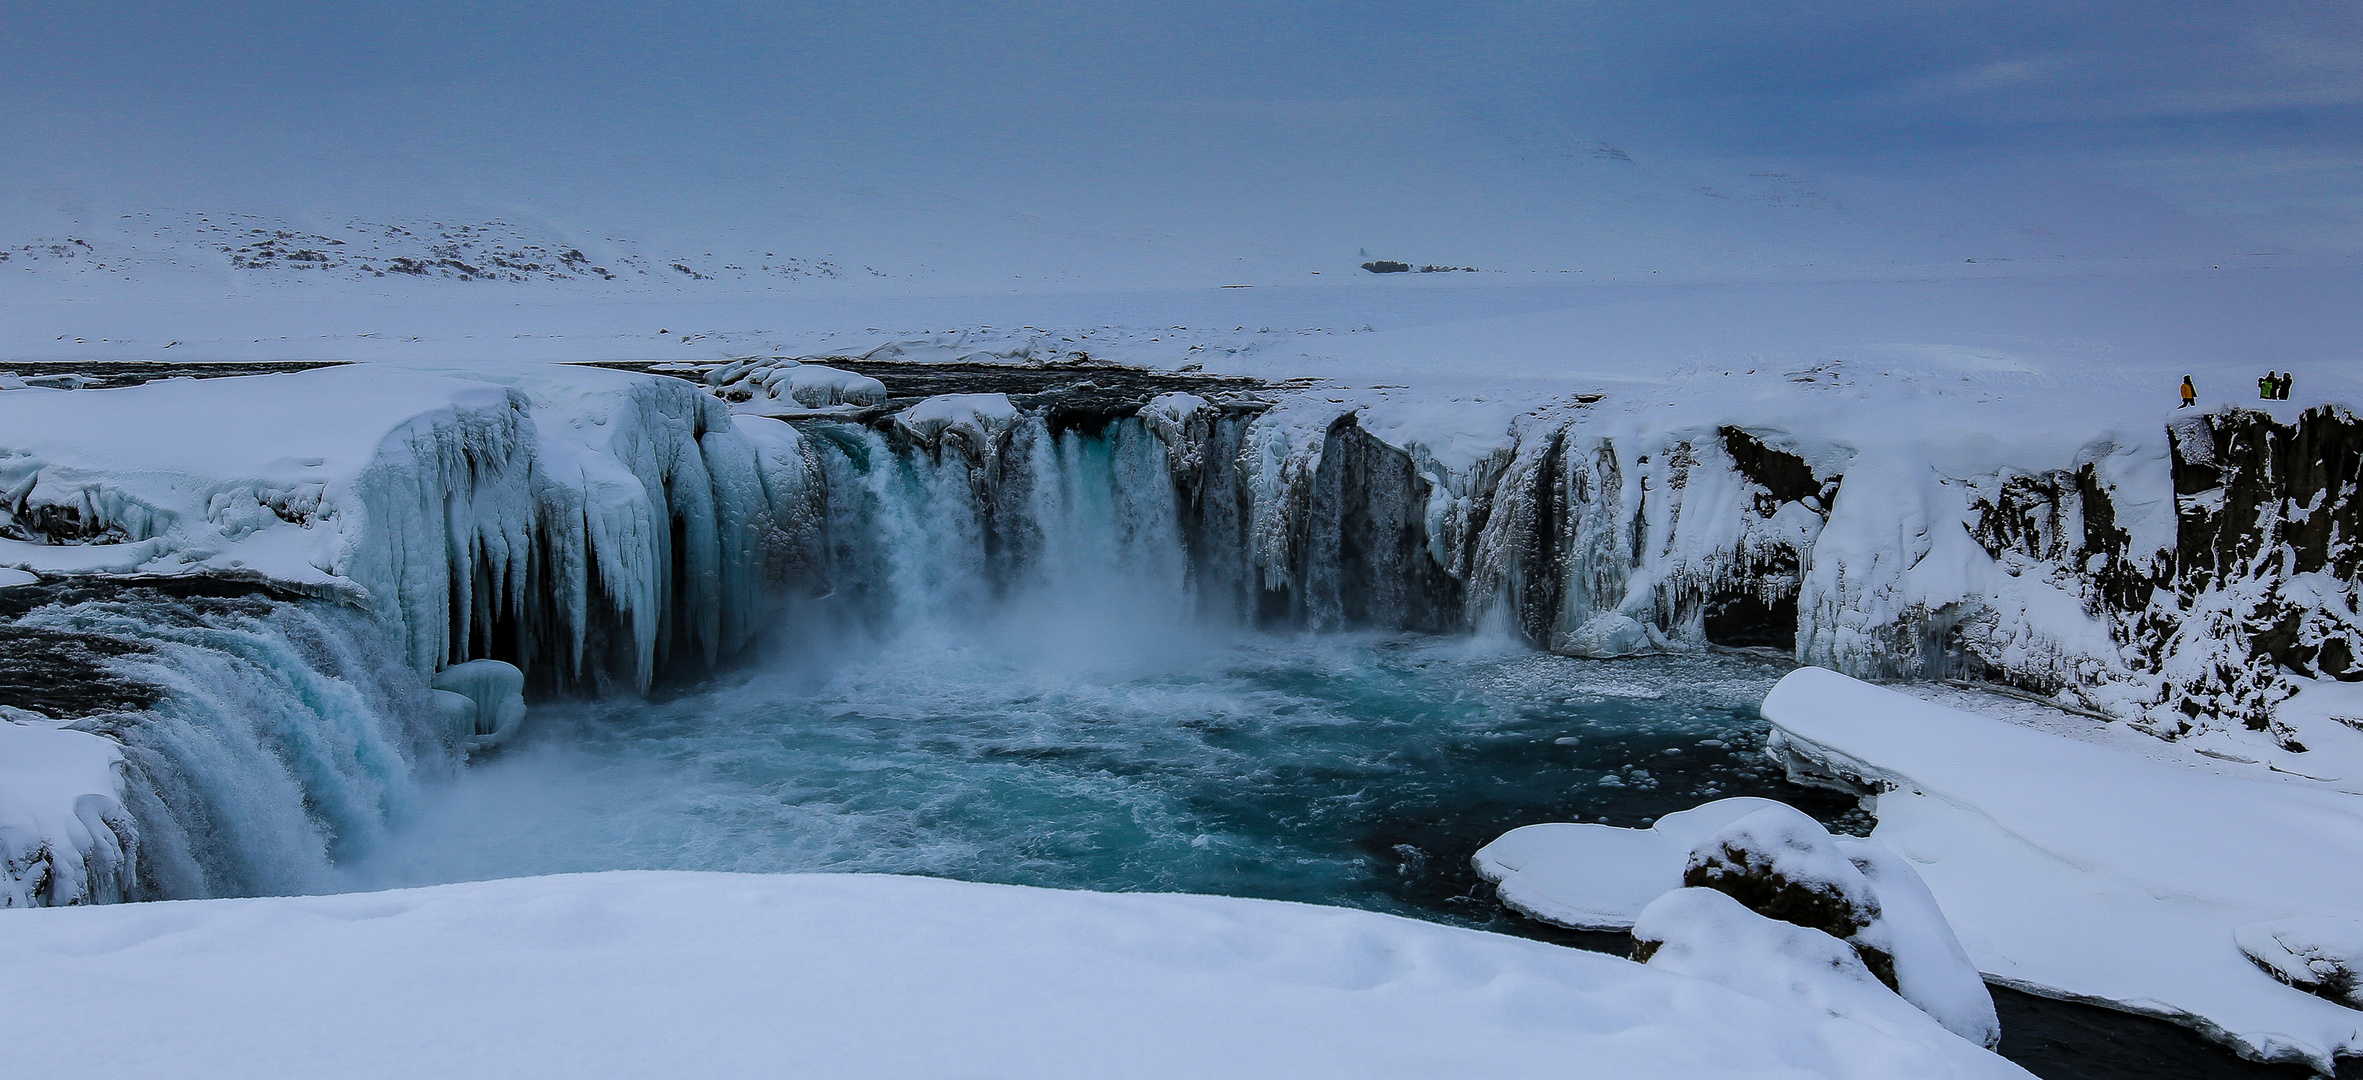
x=2190 y=394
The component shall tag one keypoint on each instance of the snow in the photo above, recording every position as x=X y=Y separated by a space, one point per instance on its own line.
x=63 y=832
x=2077 y=871
x=981 y=418
x=412 y=488
x=1599 y=877
x=1932 y=970
x=785 y=387
x=639 y=974
x=1705 y=934
x=1782 y=860
x=2317 y=955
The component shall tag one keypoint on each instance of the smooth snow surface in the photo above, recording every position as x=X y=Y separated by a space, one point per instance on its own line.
x=640 y=974
x=2076 y=871
x=1599 y=877
x=1706 y=934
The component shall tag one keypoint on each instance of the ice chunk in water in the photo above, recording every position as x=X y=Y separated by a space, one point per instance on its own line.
x=495 y=689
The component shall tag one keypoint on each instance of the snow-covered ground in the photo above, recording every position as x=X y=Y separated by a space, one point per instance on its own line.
x=2068 y=869
x=647 y=974
x=2079 y=871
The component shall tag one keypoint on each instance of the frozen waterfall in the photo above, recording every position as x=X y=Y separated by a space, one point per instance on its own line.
x=602 y=530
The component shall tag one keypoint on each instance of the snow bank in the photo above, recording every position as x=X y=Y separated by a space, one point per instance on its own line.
x=64 y=838
x=1705 y=934
x=1599 y=877
x=1776 y=862
x=640 y=974
x=2076 y=871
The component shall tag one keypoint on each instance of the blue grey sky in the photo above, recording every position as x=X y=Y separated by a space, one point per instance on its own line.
x=2243 y=117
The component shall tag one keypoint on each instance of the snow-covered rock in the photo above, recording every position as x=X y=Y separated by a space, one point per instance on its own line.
x=1599 y=877
x=1705 y=934
x=1778 y=863
x=2077 y=871
x=1781 y=864
x=64 y=836
x=640 y=974
x=1931 y=969
x=2320 y=956
x=778 y=387
x=978 y=420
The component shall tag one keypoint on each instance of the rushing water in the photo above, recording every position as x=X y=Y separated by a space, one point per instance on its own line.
x=1360 y=770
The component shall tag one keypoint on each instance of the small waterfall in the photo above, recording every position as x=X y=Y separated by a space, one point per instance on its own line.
x=284 y=735
x=948 y=533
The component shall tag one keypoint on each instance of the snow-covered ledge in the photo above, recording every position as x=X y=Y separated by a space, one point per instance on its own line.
x=529 y=511
x=64 y=838
x=2077 y=871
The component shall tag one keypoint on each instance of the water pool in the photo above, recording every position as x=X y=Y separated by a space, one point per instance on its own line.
x=1344 y=769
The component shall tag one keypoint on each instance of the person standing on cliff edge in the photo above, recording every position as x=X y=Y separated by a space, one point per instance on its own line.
x=2190 y=394
x=2281 y=391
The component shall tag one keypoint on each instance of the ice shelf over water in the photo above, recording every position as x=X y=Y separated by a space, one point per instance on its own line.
x=881 y=977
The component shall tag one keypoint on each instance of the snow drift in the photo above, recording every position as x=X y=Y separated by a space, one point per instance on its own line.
x=826 y=975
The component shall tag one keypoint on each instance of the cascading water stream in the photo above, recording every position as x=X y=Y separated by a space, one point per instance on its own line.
x=283 y=737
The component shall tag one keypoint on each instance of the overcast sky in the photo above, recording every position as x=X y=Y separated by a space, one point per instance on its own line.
x=2247 y=113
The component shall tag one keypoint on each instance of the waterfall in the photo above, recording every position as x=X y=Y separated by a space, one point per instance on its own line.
x=604 y=532
x=283 y=736
x=945 y=530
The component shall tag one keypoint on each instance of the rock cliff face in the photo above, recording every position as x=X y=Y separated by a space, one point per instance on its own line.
x=2177 y=594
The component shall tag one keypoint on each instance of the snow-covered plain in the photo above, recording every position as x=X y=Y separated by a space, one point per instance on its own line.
x=641 y=974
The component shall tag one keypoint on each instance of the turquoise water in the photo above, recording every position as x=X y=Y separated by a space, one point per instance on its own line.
x=1358 y=770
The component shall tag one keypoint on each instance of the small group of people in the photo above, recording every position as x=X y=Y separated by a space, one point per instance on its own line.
x=2269 y=386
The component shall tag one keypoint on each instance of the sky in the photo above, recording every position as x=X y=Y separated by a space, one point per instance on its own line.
x=2226 y=125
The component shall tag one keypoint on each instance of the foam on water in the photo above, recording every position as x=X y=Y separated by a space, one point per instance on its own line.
x=1340 y=769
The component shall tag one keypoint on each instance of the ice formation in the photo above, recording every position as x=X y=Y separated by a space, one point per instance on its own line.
x=494 y=693
x=588 y=527
x=64 y=837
